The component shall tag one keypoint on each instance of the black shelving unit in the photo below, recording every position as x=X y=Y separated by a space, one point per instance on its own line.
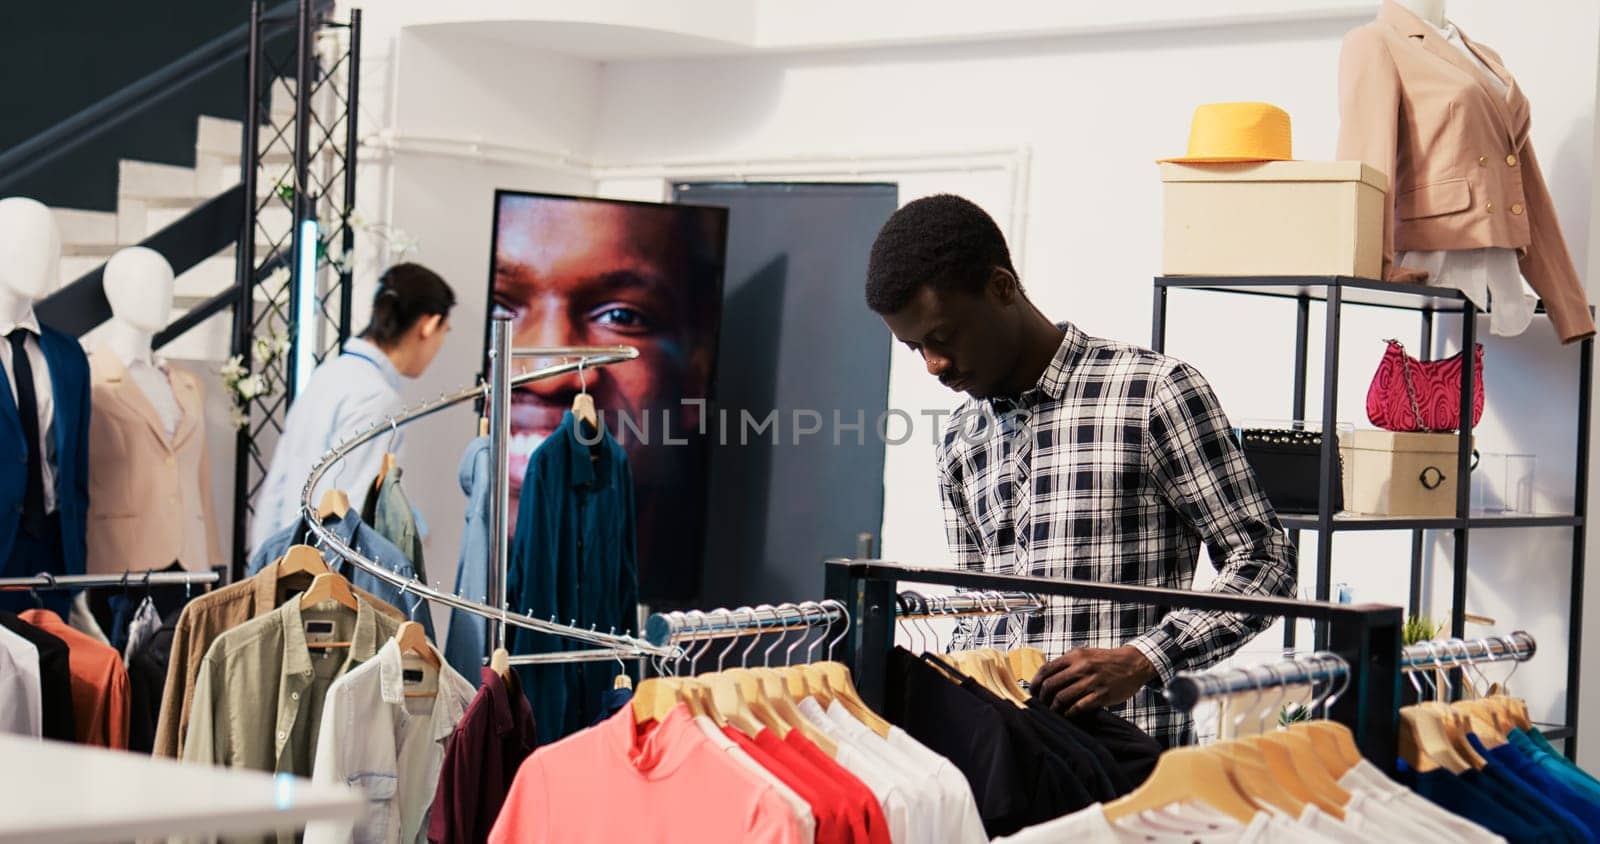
x=1428 y=302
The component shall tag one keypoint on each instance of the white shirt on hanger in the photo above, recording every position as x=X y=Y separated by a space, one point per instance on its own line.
x=842 y=727
x=958 y=813
x=378 y=740
x=1365 y=778
x=21 y=701
x=892 y=796
x=43 y=393
x=805 y=819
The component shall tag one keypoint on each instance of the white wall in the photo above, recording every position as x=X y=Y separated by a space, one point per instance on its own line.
x=1089 y=114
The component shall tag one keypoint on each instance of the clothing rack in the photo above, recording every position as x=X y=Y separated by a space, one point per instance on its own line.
x=107 y=581
x=1190 y=688
x=679 y=627
x=497 y=392
x=1367 y=636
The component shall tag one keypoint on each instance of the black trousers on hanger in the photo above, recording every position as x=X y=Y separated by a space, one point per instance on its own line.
x=31 y=555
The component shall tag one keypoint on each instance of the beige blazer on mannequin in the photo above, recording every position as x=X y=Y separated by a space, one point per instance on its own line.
x=1462 y=170
x=149 y=497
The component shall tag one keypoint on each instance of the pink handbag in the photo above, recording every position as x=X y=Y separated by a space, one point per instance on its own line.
x=1412 y=395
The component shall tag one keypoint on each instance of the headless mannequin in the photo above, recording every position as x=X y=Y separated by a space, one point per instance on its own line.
x=138 y=284
x=1431 y=11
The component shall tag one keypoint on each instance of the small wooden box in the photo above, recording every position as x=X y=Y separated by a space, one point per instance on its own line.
x=1273 y=218
x=1393 y=474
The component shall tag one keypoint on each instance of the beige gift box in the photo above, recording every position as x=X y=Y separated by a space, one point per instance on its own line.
x=1273 y=218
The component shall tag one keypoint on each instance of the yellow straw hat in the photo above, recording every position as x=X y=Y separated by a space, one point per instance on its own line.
x=1232 y=132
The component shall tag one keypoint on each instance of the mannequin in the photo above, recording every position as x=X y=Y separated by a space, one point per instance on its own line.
x=139 y=284
x=1467 y=205
x=1431 y=11
x=43 y=457
x=30 y=246
x=149 y=482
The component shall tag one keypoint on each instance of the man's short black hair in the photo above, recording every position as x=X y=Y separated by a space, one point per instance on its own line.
x=941 y=240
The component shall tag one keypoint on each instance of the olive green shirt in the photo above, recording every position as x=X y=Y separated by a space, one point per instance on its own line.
x=259 y=695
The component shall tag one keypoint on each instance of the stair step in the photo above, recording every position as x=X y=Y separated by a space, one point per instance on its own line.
x=151 y=181
x=79 y=226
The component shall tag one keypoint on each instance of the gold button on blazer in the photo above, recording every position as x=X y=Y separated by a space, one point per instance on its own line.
x=1457 y=153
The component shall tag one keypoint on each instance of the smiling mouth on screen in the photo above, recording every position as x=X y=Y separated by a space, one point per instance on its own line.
x=533 y=420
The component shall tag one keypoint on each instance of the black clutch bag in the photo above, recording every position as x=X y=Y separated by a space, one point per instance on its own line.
x=1287 y=466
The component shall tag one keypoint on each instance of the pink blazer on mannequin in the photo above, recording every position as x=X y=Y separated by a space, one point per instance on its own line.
x=149 y=497
x=1462 y=171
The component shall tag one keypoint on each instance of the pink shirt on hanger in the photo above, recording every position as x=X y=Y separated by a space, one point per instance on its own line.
x=619 y=782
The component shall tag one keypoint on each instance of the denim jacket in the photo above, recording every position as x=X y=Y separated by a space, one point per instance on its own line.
x=370 y=544
x=464 y=648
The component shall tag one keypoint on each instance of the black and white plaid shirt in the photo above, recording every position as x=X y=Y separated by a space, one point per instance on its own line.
x=1113 y=468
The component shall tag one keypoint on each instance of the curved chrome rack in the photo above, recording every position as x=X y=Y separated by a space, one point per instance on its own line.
x=588 y=357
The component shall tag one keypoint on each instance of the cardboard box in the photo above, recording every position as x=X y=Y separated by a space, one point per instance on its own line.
x=1273 y=218
x=1392 y=474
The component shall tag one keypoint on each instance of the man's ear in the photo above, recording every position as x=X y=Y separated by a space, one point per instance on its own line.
x=430 y=325
x=1003 y=286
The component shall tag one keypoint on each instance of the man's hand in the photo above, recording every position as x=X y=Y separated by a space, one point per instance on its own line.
x=1087 y=678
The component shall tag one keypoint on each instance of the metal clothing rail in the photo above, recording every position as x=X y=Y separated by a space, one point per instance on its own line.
x=676 y=627
x=1189 y=688
x=966 y=604
x=1367 y=636
x=498 y=393
x=1517 y=646
x=104 y=581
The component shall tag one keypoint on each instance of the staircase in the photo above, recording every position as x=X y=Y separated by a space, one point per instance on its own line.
x=151 y=196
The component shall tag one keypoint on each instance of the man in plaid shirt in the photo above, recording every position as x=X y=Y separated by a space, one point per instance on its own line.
x=1080 y=458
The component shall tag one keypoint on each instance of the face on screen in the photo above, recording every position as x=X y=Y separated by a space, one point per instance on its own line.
x=587 y=273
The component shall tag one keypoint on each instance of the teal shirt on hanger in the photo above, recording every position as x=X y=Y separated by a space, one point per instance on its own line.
x=573 y=559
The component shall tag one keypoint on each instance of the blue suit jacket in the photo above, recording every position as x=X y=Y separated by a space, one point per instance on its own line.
x=69 y=384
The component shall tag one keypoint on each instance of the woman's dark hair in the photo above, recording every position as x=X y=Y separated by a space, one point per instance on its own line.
x=406 y=294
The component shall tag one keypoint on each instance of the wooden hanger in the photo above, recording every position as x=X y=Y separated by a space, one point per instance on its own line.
x=500 y=661
x=1258 y=779
x=1186 y=775
x=655 y=698
x=385 y=466
x=483 y=426
x=334 y=504
x=1425 y=744
x=1025 y=662
x=583 y=403
x=329 y=586
x=301 y=559
x=413 y=640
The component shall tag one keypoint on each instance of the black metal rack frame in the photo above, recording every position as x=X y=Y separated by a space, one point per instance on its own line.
x=1367 y=636
x=1429 y=302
